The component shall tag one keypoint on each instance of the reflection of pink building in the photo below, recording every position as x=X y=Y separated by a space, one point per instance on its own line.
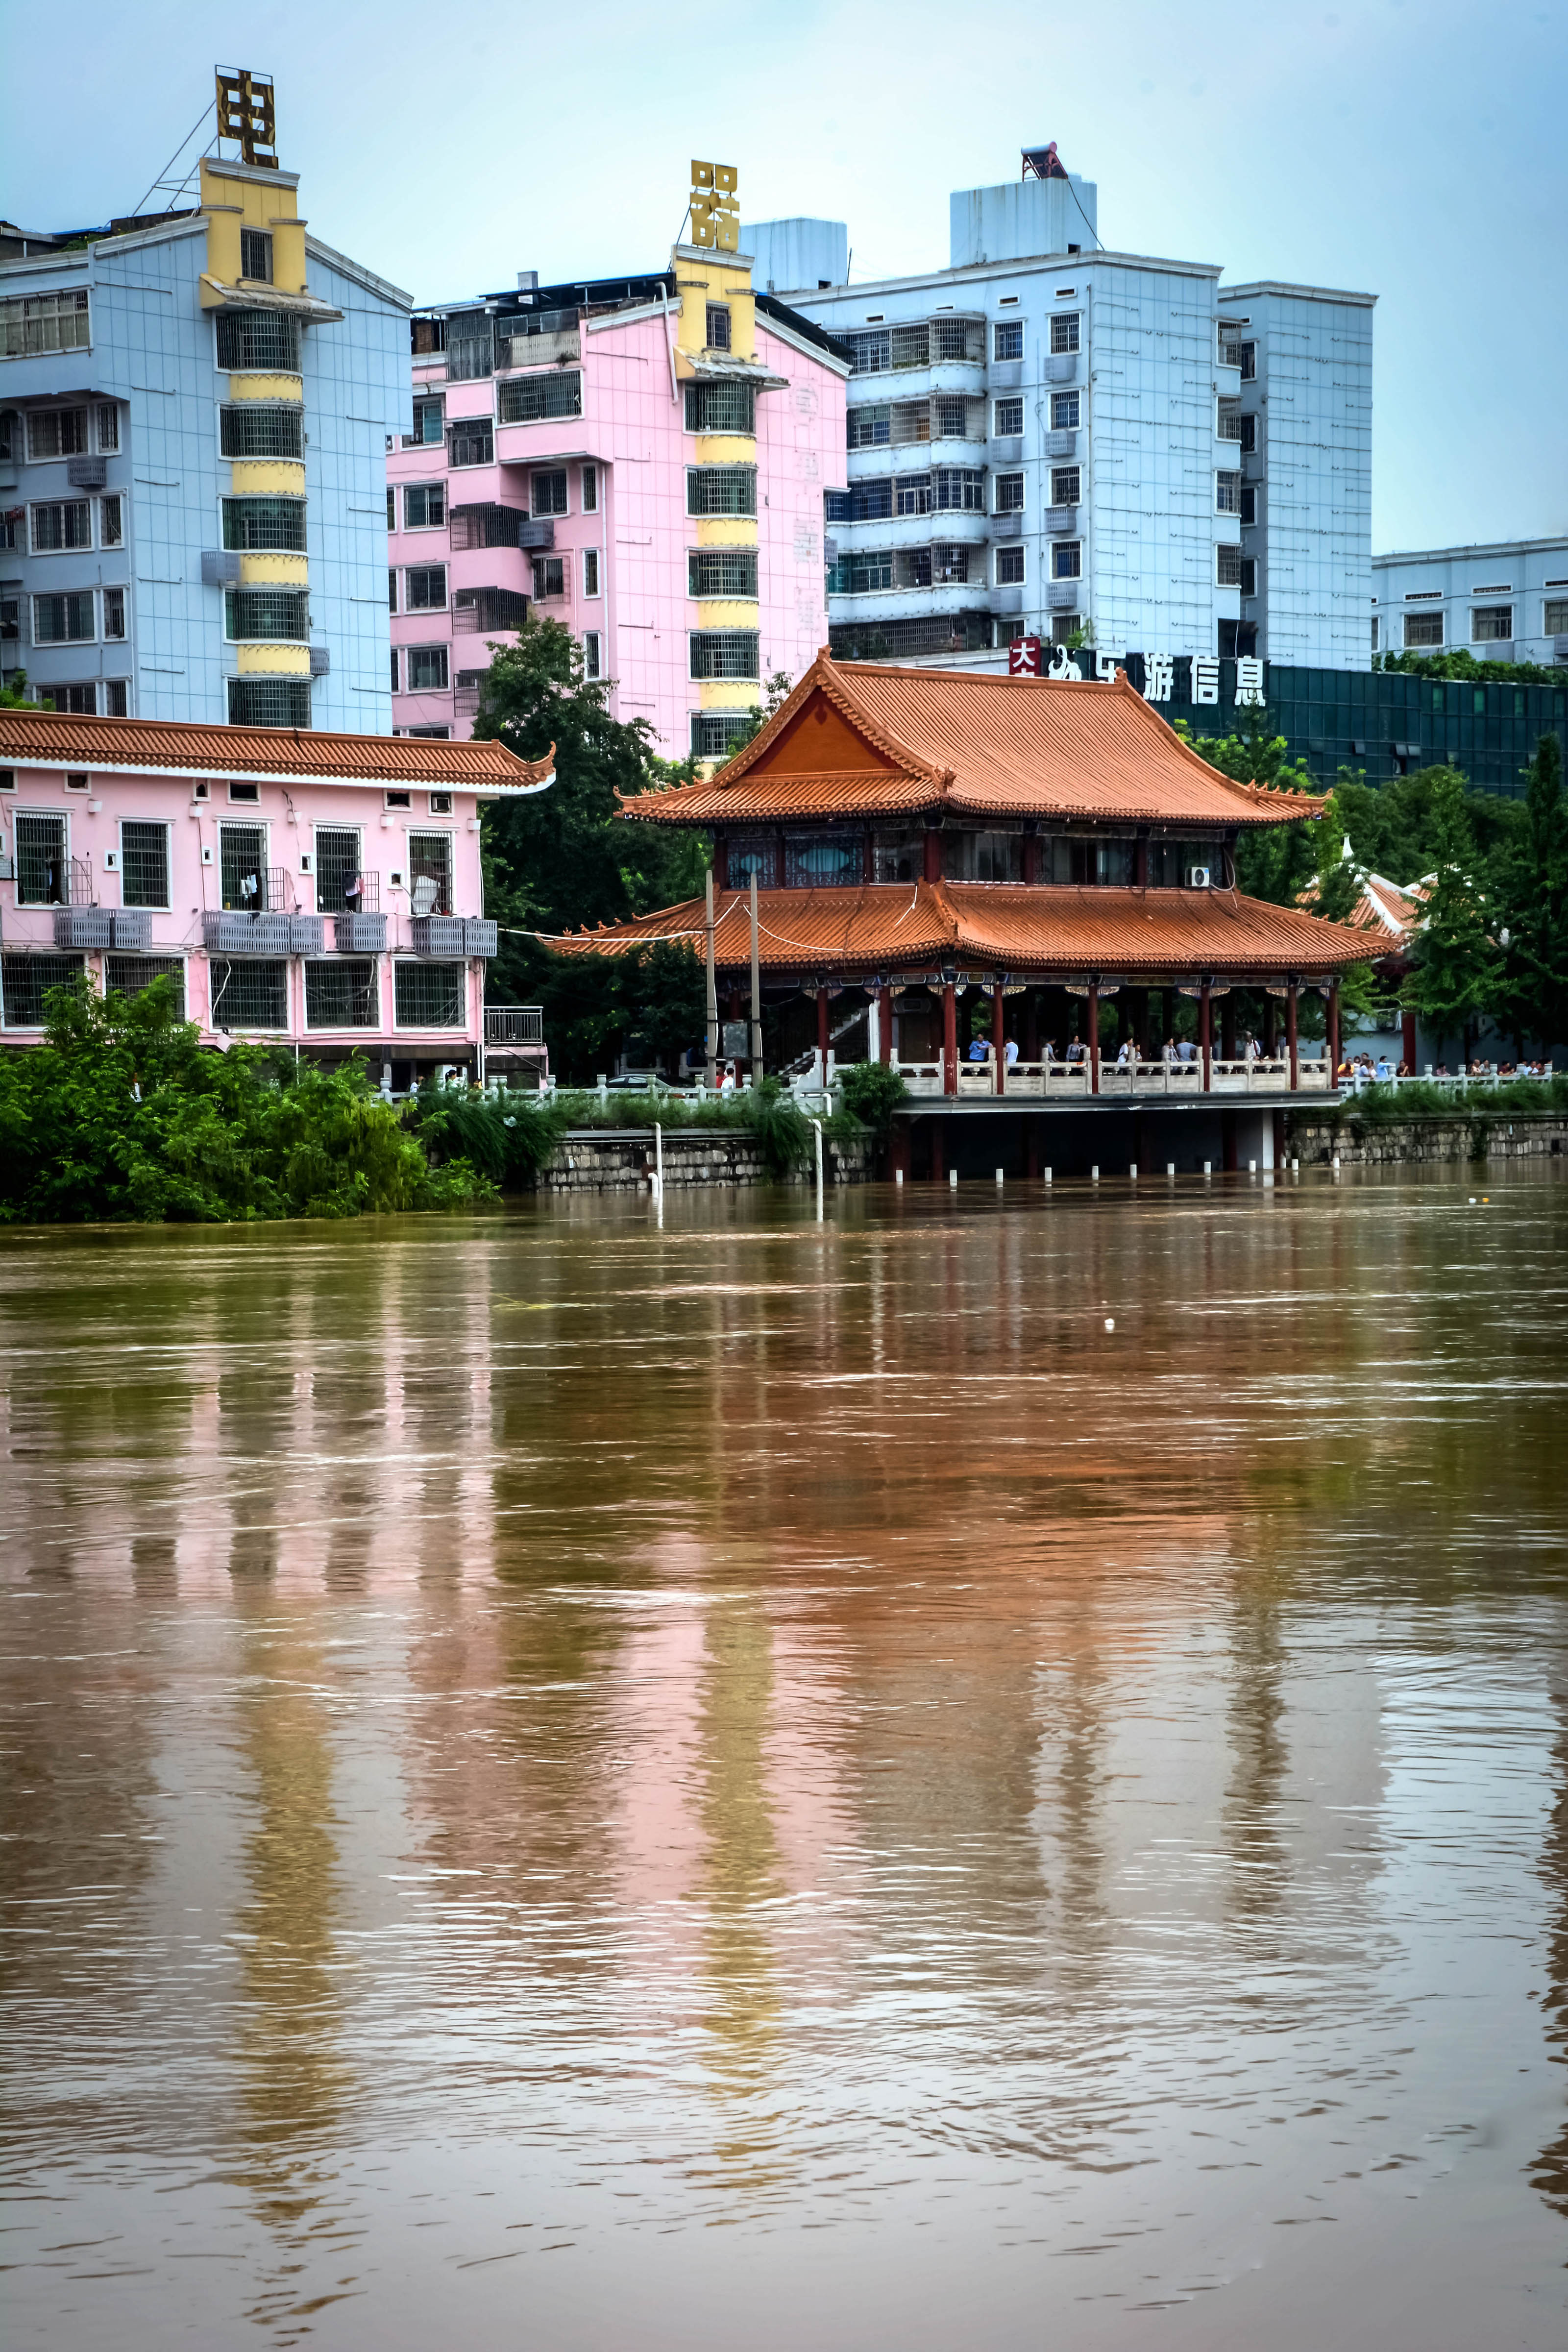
x=313 y=888
x=644 y=459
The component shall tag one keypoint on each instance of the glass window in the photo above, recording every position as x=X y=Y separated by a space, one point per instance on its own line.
x=863 y=573
x=1008 y=418
x=898 y=856
x=823 y=860
x=911 y=494
x=983 y=857
x=715 y=734
x=63 y=620
x=590 y=572
x=1065 y=486
x=425 y=505
x=591 y=665
x=108 y=427
x=1227 y=567
x=1066 y=559
x=1491 y=625
x=590 y=489
x=1227 y=493
x=35 y=323
x=720 y=489
x=868 y=425
x=1009 y=493
x=281 y=614
x=394 y=674
x=1557 y=616
x=429 y=422
x=472 y=441
x=470 y=346
x=261 y=525
x=242 y=867
x=754 y=853
x=261 y=428
x=25 y=980
x=1246 y=502
x=41 y=879
x=1007 y=339
x=550 y=493
x=258 y=342
x=548 y=578
x=719 y=326
x=426 y=587
x=426 y=669
x=62 y=524
x=128 y=975
x=1064 y=411
x=549 y=391
x=390 y=590
x=428 y=995
x=430 y=873
x=56 y=433
x=117 y=698
x=724 y=407
x=958 y=490
x=337 y=869
x=1009 y=567
x=255 y=254
x=725 y=653
x=269 y=702
x=722 y=572
x=1065 y=330
x=110 y=527
x=250 y=992
x=1423 y=629
x=341 y=995
x=143 y=864
x=870 y=354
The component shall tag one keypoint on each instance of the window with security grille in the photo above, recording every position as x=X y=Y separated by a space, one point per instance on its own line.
x=550 y=493
x=430 y=873
x=470 y=346
x=1227 y=567
x=26 y=981
x=427 y=585
x=1008 y=419
x=950 y=419
x=725 y=653
x=56 y=433
x=1007 y=339
x=108 y=426
x=429 y=422
x=715 y=734
x=1065 y=486
x=428 y=995
x=1009 y=493
x=1064 y=411
x=717 y=327
x=822 y=860
x=143 y=864
x=870 y=353
x=911 y=494
x=258 y=342
x=425 y=505
x=111 y=528
x=1423 y=629
x=255 y=254
x=869 y=424
x=1227 y=493
x=34 y=323
x=63 y=523
x=1009 y=567
x=725 y=406
x=41 y=877
x=951 y=565
x=117 y=696
x=1065 y=330
x=269 y=702
x=250 y=992
x=958 y=490
x=957 y=339
x=861 y=574
x=1066 y=559
x=720 y=489
x=261 y=525
x=81 y=701
x=242 y=867
x=548 y=578
x=337 y=868
x=427 y=669
x=472 y=441
x=261 y=428
x=63 y=620
x=266 y=614
x=341 y=995
x=722 y=572
x=1491 y=625
x=553 y=392
x=128 y=975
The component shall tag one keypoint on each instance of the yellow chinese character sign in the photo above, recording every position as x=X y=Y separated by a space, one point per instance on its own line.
x=715 y=207
x=245 y=113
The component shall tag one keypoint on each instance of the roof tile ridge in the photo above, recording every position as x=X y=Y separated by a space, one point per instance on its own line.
x=840 y=694
x=747 y=757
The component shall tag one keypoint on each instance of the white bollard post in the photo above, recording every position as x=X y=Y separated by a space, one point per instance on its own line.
x=999 y=1179
x=1094 y=1173
x=1047 y=1175
x=1132 y=1170
x=1295 y=1167
x=657 y=1160
x=898 y=1175
x=1208 y=1167
x=1252 y=1167
x=952 y=1176
x=816 y=1123
x=1170 y=1167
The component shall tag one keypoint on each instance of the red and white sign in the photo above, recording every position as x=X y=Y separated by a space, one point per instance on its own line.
x=1024 y=657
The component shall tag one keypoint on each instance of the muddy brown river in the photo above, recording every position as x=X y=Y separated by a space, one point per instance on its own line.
x=591 y=1785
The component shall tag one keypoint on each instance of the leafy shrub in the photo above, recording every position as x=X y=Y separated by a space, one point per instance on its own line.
x=872 y=1091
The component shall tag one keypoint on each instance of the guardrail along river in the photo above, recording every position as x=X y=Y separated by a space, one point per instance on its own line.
x=986 y=1772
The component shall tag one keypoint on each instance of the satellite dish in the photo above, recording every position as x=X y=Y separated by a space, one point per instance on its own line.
x=426 y=890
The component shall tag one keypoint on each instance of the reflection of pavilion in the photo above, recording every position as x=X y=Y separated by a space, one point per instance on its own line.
x=915 y=835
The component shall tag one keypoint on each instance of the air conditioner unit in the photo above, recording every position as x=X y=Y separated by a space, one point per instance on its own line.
x=1198 y=878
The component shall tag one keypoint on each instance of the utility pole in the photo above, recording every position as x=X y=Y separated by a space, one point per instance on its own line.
x=712 y=997
x=756 y=994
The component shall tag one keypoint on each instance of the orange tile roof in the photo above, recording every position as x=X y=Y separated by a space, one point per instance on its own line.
x=1395 y=910
x=58 y=738
x=900 y=927
x=1072 y=750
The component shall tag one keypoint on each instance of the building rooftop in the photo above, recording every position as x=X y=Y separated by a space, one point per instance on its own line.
x=155 y=747
x=1475 y=548
x=859 y=739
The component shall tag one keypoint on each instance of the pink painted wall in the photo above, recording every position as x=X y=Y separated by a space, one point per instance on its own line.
x=634 y=432
x=93 y=819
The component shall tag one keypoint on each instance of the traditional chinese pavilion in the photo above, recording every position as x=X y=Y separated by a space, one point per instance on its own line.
x=917 y=835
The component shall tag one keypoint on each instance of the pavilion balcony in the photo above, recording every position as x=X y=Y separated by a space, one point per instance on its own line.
x=1140 y=1081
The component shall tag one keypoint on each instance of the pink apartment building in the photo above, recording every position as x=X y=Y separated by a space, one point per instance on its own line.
x=321 y=891
x=644 y=459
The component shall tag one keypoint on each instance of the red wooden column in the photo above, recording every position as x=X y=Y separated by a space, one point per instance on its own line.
x=1291 y=1038
x=1205 y=1035
x=1333 y=1032
x=885 y=1023
x=1407 y=1028
x=1094 y=1038
x=999 y=1034
x=949 y=1034
x=933 y=854
x=822 y=1030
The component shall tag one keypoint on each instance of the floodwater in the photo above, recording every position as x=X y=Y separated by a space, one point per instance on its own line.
x=575 y=1784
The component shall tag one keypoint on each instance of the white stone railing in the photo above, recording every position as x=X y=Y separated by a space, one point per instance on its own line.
x=1145 y=1081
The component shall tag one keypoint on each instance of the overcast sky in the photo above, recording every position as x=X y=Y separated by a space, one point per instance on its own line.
x=1411 y=148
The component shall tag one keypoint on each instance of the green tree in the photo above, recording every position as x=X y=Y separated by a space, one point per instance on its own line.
x=1453 y=981
x=776 y=692
x=1274 y=862
x=1535 y=894
x=15 y=696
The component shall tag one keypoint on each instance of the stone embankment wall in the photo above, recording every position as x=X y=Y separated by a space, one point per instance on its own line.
x=1374 y=1142
x=621 y=1160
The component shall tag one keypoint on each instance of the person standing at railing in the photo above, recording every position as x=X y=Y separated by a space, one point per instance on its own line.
x=1168 y=1053
x=1076 y=1049
x=1010 y=1051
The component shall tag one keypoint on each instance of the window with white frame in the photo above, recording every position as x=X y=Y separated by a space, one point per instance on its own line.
x=1009 y=567
x=427 y=669
x=1227 y=493
x=425 y=505
x=722 y=572
x=725 y=653
x=471 y=441
x=1064 y=411
x=549 y=579
x=430 y=873
x=390 y=509
x=41 y=874
x=549 y=492
x=429 y=422
x=1065 y=325
x=113 y=613
x=390 y=590
x=108 y=427
x=1066 y=483
x=1066 y=559
x=32 y=324
x=56 y=433
x=593 y=666
x=1009 y=494
x=143 y=864
x=1375 y=632
x=1227 y=567
x=110 y=524
x=1491 y=625
x=65 y=620
x=1554 y=621
x=590 y=572
x=1007 y=418
x=395 y=687
x=255 y=254
x=60 y=525
x=428 y=995
x=1423 y=629
x=1007 y=339
x=426 y=588
x=590 y=489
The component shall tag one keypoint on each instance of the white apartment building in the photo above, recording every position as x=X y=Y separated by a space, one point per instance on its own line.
x=1506 y=601
x=1045 y=437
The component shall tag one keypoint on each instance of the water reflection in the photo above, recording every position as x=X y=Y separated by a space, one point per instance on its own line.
x=658 y=1744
